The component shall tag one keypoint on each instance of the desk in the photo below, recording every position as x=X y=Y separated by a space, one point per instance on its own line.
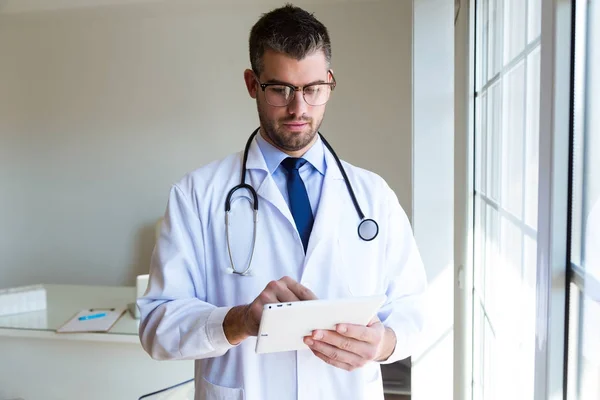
x=38 y=363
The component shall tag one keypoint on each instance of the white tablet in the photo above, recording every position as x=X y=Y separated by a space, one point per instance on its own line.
x=283 y=326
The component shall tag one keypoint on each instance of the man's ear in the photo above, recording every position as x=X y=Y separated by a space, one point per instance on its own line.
x=331 y=78
x=251 y=83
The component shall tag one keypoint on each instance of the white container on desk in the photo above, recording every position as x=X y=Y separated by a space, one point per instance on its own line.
x=141 y=284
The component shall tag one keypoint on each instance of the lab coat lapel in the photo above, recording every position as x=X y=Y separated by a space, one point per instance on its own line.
x=326 y=223
x=263 y=182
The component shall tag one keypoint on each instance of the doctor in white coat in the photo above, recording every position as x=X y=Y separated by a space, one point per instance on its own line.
x=200 y=306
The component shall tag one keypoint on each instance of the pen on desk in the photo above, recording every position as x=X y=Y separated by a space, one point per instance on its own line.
x=93 y=316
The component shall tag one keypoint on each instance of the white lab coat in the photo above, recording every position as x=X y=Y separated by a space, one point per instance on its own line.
x=190 y=292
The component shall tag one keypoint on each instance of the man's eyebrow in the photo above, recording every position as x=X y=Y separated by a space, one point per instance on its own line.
x=278 y=82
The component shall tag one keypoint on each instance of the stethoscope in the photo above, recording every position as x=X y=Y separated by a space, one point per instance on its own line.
x=368 y=229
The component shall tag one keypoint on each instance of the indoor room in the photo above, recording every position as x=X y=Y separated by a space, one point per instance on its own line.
x=253 y=199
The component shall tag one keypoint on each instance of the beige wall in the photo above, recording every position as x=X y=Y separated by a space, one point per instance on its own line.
x=103 y=108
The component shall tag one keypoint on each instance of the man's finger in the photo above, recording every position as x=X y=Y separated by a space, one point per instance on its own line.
x=369 y=334
x=335 y=363
x=279 y=292
x=361 y=348
x=334 y=355
x=301 y=291
x=286 y=294
x=266 y=296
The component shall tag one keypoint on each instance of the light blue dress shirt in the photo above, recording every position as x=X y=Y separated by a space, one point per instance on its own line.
x=312 y=172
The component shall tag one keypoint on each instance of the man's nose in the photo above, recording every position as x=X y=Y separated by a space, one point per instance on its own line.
x=298 y=106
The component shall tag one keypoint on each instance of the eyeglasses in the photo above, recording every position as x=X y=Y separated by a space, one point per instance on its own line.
x=282 y=94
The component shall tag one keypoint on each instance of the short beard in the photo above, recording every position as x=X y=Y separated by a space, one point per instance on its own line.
x=290 y=143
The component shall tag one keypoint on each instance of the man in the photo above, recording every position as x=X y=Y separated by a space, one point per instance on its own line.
x=306 y=245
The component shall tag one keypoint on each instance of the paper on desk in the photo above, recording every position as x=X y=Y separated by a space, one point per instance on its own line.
x=92 y=325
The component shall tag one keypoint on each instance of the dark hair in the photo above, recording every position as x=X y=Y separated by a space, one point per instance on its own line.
x=289 y=30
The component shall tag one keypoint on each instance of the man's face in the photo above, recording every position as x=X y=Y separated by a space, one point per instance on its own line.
x=291 y=128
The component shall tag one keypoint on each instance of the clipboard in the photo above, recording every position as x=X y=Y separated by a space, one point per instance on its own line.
x=92 y=320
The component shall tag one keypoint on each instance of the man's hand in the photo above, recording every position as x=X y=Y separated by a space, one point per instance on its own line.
x=243 y=321
x=352 y=346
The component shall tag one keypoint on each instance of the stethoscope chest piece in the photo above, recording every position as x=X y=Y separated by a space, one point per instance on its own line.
x=368 y=229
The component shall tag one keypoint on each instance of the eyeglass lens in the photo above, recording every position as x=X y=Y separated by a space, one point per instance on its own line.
x=281 y=95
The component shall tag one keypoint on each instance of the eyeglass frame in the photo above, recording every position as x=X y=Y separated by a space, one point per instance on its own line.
x=295 y=89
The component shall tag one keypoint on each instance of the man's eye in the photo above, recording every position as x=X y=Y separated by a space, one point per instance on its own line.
x=279 y=89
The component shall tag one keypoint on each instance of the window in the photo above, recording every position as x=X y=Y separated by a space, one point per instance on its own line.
x=506 y=140
x=583 y=365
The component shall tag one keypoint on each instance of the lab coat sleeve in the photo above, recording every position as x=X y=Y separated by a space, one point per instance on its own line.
x=176 y=322
x=406 y=283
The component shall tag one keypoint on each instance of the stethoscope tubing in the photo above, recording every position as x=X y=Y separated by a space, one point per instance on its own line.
x=249 y=188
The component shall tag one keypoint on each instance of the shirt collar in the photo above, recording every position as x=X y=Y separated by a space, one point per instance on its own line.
x=273 y=156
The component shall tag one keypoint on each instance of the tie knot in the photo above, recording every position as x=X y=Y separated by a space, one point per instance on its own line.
x=293 y=163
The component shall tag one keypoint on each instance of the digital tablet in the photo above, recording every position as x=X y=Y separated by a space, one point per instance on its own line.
x=283 y=326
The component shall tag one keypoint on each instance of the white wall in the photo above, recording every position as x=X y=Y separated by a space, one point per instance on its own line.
x=103 y=108
x=433 y=191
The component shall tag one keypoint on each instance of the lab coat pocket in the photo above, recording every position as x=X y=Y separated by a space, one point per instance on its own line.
x=359 y=267
x=210 y=391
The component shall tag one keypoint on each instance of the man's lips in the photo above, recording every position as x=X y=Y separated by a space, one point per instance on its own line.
x=295 y=125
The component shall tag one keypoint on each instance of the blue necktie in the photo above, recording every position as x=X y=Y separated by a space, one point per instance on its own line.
x=299 y=203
